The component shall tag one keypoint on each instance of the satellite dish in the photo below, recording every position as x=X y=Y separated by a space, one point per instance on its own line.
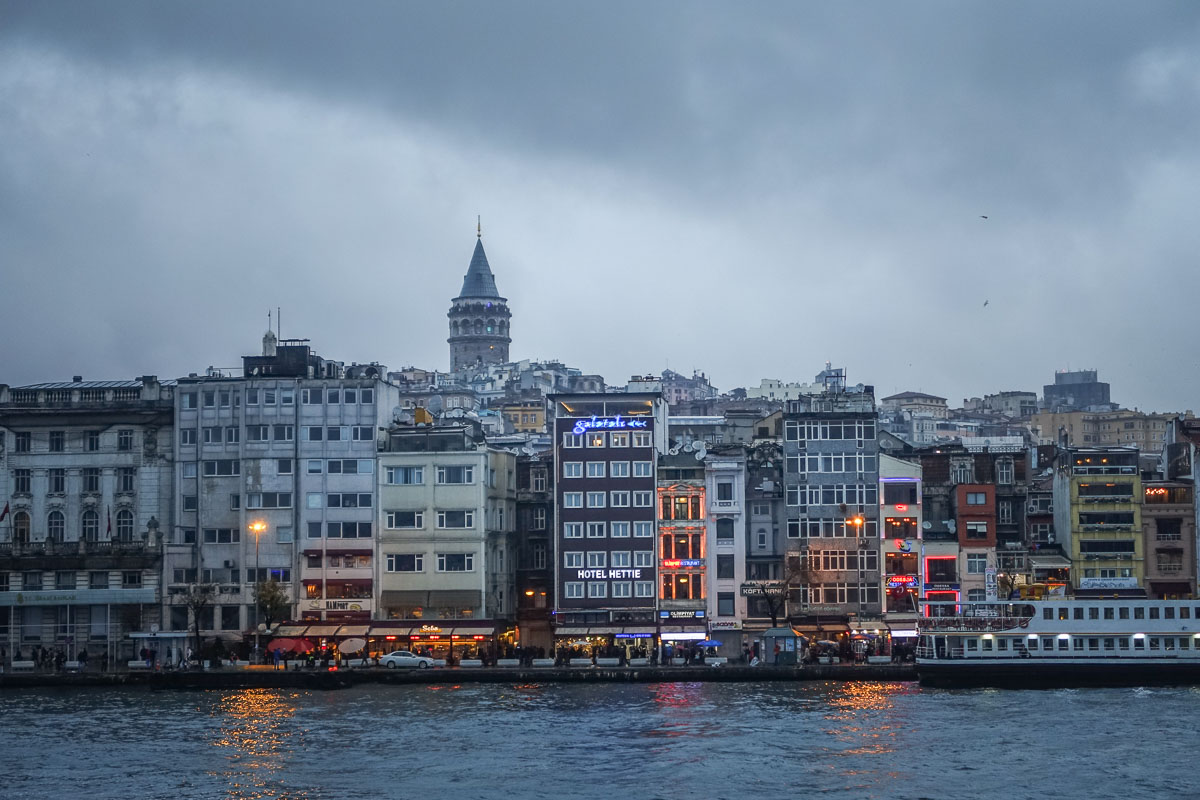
x=435 y=404
x=927 y=525
x=949 y=523
x=397 y=412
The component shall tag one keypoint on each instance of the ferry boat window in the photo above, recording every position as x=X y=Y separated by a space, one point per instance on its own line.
x=1047 y=613
x=1139 y=613
x=1185 y=643
x=1123 y=643
x=1063 y=644
x=1169 y=643
x=1093 y=613
x=1123 y=612
x=1078 y=613
x=987 y=644
x=1169 y=612
x=1093 y=643
x=1184 y=612
x=1047 y=643
x=1108 y=612
x=1077 y=643
x=1154 y=644
x=1002 y=644
x=1153 y=613
x=1064 y=613
x=1109 y=643
x=972 y=644
x=1139 y=644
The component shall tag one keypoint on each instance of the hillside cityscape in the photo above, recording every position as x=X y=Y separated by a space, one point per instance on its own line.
x=503 y=506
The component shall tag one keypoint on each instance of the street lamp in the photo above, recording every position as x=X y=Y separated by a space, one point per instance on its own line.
x=257 y=527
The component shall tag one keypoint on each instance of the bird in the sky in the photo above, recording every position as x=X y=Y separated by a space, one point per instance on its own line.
x=985 y=302
x=983 y=216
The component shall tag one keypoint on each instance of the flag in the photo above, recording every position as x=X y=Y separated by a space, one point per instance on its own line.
x=108 y=511
x=4 y=513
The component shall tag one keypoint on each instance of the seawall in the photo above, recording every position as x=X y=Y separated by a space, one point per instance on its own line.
x=267 y=678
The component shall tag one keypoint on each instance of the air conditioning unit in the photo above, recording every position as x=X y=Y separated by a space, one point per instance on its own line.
x=230 y=564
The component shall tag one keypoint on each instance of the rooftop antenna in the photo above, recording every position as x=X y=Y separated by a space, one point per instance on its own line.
x=278 y=322
x=478 y=227
x=268 y=319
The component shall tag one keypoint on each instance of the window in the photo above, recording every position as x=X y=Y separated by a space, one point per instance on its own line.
x=597 y=530
x=349 y=396
x=187 y=436
x=725 y=604
x=362 y=433
x=597 y=558
x=1004 y=509
x=131 y=580
x=724 y=530
x=596 y=469
x=233 y=435
x=125 y=440
x=642 y=439
x=283 y=466
x=310 y=397
x=251 y=398
x=643 y=529
x=314 y=433
x=269 y=396
x=58 y=481
x=573 y=590
x=56 y=525
x=314 y=500
x=21 y=443
x=643 y=499
x=456 y=519
x=348 y=530
x=349 y=500
x=283 y=433
x=724 y=491
x=90 y=523
x=596 y=439
x=227 y=466
x=977 y=530
x=596 y=588
x=456 y=562
x=572 y=499
x=189 y=502
x=596 y=499
x=643 y=588
x=213 y=435
x=57 y=441
x=1004 y=471
x=572 y=440
x=258 y=433
x=22 y=481
x=619 y=469
x=573 y=530
x=573 y=559
x=643 y=558
x=269 y=500
x=401 y=520
x=189 y=400
x=405 y=476
x=724 y=566
x=620 y=499
x=287 y=397
x=235 y=502
x=93 y=441
x=976 y=498
x=643 y=469
x=621 y=589
x=222 y=536
x=618 y=440
x=572 y=469
x=405 y=562
x=455 y=475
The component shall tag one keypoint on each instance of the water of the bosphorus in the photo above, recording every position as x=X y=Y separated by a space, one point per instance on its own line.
x=600 y=742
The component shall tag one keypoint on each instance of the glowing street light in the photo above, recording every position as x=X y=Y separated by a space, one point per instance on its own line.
x=257 y=528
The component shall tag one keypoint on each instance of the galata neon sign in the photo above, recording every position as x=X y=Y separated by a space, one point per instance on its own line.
x=617 y=422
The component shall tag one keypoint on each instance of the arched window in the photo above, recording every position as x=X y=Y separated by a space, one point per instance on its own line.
x=91 y=525
x=724 y=529
x=56 y=526
x=20 y=529
x=125 y=525
x=479 y=326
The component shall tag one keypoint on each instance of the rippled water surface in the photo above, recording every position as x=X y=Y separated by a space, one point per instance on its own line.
x=669 y=740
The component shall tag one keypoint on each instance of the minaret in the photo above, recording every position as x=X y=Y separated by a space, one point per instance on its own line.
x=478 y=316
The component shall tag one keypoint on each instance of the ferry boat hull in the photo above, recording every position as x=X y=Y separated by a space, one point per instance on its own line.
x=1047 y=674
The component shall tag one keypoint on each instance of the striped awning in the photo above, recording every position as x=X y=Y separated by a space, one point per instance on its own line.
x=353 y=630
x=323 y=630
x=290 y=630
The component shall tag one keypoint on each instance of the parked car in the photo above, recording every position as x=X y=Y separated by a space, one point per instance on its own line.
x=403 y=658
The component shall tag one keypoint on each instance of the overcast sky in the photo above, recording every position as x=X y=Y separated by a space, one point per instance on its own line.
x=744 y=189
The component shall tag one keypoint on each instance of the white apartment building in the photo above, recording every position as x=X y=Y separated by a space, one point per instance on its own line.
x=726 y=526
x=447 y=516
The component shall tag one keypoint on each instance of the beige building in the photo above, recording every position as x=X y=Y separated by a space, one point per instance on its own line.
x=917 y=403
x=1127 y=427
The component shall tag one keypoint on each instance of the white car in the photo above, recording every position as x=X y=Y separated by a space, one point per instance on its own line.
x=403 y=658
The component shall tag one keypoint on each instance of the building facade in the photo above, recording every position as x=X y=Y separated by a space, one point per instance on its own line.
x=479 y=318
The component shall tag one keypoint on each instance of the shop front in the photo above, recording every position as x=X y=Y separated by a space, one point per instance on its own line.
x=446 y=640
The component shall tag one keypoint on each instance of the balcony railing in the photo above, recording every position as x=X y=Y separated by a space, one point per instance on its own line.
x=81 y=547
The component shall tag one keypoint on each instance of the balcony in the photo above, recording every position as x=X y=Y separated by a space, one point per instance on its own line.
x=80 y=554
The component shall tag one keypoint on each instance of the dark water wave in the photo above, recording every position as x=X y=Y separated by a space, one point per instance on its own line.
x=671 y=740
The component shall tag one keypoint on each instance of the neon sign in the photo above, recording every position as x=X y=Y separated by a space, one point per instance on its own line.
x=901 y=581
x=683 y=562
x=617 y=422
x=903 y=546
x=609 y=574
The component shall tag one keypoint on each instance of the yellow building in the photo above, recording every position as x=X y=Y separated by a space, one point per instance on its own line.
x=527 y=417
x=1103 y=428
x=1102 y=488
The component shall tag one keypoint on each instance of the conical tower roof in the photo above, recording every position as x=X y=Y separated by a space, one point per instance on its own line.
x=479 y=281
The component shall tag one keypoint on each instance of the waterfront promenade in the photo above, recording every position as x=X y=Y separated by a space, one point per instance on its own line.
x=265 y=677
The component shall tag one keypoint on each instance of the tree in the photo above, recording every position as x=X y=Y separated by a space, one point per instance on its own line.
x=198 y=597
x=273 y=602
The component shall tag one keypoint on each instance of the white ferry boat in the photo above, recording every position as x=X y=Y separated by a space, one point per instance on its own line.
x=1060 y=642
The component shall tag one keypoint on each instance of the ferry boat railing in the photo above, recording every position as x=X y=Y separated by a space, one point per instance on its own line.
x=966 y=624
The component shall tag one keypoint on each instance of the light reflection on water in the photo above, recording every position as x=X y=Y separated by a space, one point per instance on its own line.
x=595 y=741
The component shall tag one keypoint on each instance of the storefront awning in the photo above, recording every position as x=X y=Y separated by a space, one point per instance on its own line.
x=1049 y=562
x=353 y=630
x=570 y=631
x=473 y=630
x=639 y=630
x=290 y=630
x=322 y=630
x=431 y=599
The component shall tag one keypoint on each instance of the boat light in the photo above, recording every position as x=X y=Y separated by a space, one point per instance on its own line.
x=1064 y=636
x=1139 y=636
x=988 y=636
x=1032 y=636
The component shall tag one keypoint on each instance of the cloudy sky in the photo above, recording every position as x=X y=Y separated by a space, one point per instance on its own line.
x=744 y=189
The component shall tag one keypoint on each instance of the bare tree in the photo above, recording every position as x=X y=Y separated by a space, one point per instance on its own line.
x=273 y=602
x=198 y=597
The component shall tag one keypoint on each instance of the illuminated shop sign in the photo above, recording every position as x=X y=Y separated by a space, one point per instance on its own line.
x=608 y=574
x=430 y=629
x=680 y=614
x=635 y=635
x=903 y=545
x=683 y=562
x=899 y=581
x=617 y=422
